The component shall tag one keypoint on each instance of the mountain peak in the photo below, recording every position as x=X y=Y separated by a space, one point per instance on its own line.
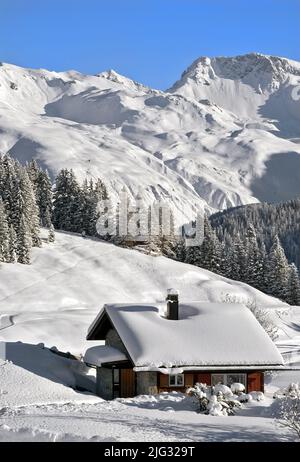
x=262 y=72
x=115 y=77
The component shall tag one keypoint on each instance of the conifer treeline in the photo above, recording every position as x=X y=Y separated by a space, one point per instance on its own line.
x=75 y=205
x=268 y=220
x=245 y=258
x=19 y=213
x=29 y=201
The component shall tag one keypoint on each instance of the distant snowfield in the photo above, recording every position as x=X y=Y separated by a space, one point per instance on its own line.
x=54 y=300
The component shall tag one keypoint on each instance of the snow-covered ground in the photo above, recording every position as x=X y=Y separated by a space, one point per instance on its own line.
x=54 y=300
x=37 y=403
x=42 y=409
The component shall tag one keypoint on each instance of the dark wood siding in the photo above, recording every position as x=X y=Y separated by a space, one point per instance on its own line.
x=189 y=380
x=163 y=380
x=255 y=381
x=204 y=377
x=127 y=383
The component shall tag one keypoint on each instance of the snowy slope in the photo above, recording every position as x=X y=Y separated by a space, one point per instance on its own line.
x=253 y=87
x=222 y=135
x=56 y=298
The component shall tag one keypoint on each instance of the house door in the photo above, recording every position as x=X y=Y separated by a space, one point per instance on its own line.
x=127 y=388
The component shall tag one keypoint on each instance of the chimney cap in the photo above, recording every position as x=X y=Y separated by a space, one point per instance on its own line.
x=172 y=292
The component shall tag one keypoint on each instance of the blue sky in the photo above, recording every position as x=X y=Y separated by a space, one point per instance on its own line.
x=151 y=41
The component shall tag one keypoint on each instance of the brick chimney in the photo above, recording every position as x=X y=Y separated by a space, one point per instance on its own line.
x=172 y=305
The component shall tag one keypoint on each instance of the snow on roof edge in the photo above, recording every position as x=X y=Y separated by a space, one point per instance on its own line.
x=101 y=354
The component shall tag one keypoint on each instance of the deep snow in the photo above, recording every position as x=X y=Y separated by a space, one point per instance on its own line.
x=205 y=334
x=50 y=411
x=55 y=299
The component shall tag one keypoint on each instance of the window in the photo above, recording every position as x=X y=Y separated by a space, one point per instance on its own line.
x=228 y=379
x=176 y=380
x=116 y=382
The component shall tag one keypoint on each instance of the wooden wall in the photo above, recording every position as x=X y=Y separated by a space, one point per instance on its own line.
x=127 y=383
x=255 y=381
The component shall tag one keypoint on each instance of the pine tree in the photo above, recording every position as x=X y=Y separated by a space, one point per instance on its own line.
x=241 y=256
x=51 y=235
x=210 y=250
x=67 y=202
x=33 y=171
x=44 y=197
x=263 y=280
x=180 y=250
x=232 y=258
x=254 y=268
x=29 y=208
x=18 y=195
x=277 y=271
x=12 y=245
x=4 y=234
x=293 y=291
x=23 y=243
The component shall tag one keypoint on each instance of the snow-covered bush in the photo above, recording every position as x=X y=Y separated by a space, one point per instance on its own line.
x=220 y=388
x=287 y=408
x=243 y=397
x=201 y=392
x=237 y=388
x=218 y=400
x=257 y=395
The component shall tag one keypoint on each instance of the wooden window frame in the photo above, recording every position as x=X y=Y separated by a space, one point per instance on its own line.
x=176 y=385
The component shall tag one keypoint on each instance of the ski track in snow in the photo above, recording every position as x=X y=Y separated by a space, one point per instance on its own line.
x=6 y=321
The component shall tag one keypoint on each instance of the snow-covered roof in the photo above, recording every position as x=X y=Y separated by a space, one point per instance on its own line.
x=206 y=334
x=101 y=354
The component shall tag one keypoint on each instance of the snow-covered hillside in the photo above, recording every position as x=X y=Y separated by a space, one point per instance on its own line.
x=226 y=134
x=54 y=300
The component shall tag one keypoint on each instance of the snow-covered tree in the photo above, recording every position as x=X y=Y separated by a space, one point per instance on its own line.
x=4 y=234
x=22 y=215
x=277 y=271
x=33 y=171
x=12 y=245
x=51 y=235
x=180 y=250
x=23 y=242
x=28 y=208
x=293 y=290
x=210 y=249
x=288 y=405
x=254 y=262
x=44 y=197
x=67 y=202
